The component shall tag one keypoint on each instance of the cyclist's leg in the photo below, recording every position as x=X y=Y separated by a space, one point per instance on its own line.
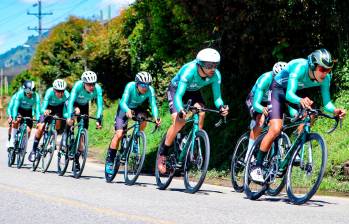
x=9 y=132
x=39 y=130
x=276 y=114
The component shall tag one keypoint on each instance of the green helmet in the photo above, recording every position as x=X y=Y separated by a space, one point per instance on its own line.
x=320 y=57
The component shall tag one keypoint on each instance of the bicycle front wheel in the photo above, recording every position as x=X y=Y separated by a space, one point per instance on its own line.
x=82 y=152
x=304 y=177
x=135 y=158
x=49 y=150
x=281 y=144
x=62 y=155
x=22 y=147
x=11 y=157
x=196 y=162
x=238 y=163
x=164 y=179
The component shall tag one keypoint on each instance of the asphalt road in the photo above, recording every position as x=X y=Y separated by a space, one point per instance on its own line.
x=35 y=197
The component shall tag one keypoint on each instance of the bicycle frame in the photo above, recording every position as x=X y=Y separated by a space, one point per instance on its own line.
x=189 y=145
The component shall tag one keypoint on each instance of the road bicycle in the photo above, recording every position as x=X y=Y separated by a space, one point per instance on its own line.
x=193 y=152
x=302 y=177
x=132 y=152
x=74 y=148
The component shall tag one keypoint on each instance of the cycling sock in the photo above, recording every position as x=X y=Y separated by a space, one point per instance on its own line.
x=260 y=157
x=36 y=143
x=111 y=154
x=250 y=144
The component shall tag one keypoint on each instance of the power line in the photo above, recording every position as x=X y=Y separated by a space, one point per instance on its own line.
x=39 y=15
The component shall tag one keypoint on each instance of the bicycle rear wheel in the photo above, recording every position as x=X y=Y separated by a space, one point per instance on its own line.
x=39 y=153
x=281 y=144
x=238 y=163
x=49 y=150
x=62 y=155
x=135 y=158
x=164 y=179
x=304 y=179
x=196 y=162
x=82 y=150
x=110 y=177
x=252 y=189
x=22 y=147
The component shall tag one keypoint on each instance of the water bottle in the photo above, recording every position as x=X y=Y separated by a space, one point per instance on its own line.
x=183 y=142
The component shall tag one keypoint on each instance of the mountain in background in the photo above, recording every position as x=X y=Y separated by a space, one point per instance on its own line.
x=17 y=59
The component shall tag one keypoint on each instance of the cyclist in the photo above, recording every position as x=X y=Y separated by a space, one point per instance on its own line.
x=9 y=117
x=82 y=93
x=297 y=74
x=186 y=85
x=54 y=103
x=133 y=102
x=257 y=101
x=25 y=104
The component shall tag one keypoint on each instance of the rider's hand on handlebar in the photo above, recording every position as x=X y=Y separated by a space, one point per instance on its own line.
x=158 y=122
x=129 y=114
x=47 y=112
x=77 y=110
x=265 y=111
x=9 y=119
x=224 y=110
x=306 y=102
x=98 y=125
x=339 y=112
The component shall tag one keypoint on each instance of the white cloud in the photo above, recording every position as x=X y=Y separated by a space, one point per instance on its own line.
x=2 y=39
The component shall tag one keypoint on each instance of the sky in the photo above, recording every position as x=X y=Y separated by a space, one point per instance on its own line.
x=14 y=21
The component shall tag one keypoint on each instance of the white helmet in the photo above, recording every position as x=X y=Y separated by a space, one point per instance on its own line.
x=143 y=77
x=89 y=77
x=59 y=84
x=278 y=67
x=208 y=55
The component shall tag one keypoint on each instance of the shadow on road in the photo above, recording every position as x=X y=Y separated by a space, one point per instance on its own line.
x=310 y=203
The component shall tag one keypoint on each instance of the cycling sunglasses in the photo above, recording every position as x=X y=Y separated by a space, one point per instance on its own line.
x=28 y=91
x=210 y=65
x=59 y=91
x=143 y=85
x=324 y=70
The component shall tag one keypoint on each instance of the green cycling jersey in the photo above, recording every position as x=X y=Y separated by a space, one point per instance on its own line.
x=22 y=101
x=260 y=90
x=295 y=76
x=132 y=98
x=52 y=100
x=80 y=96
x=188 y=79
x=10 y=105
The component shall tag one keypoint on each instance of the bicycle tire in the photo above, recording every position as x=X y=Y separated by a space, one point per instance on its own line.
x=11 y=157
x=110 y=177
x=62 y=155
x=256 y=190
x=164 y=180
x=83 y=153
x=135 y=159
x=292 y=191
x=199 y=160
x=22 y=147
x=48 y=151
x=279 y=183
x=238 y=162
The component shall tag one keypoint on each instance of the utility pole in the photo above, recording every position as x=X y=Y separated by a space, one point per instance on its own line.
x=39 y=15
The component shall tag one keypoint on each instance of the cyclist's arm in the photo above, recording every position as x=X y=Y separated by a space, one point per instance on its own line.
x=152 y=102
x=45 y=101
x=16 y=103
x=292 y=86
x=10 y=106
x=99 y=101
x=257 y=99
x=262 y=85
x=72 y=99
x=293 y=112
x=37 y=106
x=325 y=93
x=187 y=74
x=125 y=97
x=216 y=89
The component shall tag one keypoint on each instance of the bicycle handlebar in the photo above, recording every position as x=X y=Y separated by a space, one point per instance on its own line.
x=317 y=112
x=142 y=118
x=196 y=110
